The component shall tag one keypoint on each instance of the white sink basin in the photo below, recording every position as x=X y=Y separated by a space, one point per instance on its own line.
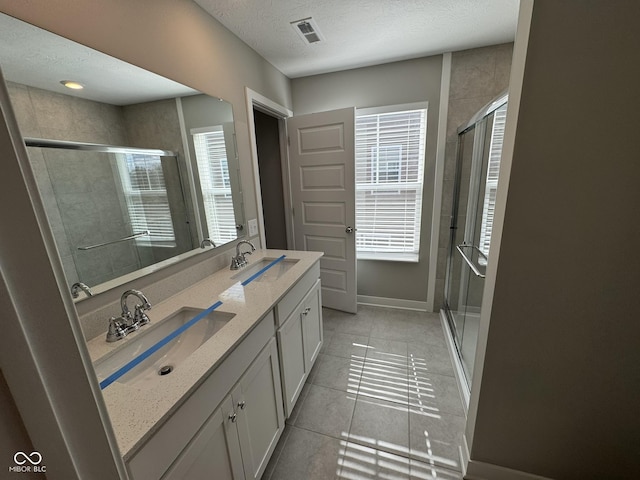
x=167 y=356
x=275 y=271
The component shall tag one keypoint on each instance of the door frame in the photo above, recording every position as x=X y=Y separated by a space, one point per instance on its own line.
x=265 y=105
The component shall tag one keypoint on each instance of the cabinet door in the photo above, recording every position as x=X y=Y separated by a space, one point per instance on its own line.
x=214 y=453
x=293 y=369
x=312 y=325
x=257 y=400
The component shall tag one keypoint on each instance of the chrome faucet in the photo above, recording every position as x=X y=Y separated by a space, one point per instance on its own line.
x=239 y=260
x=206 y=241
x=127 y=322
x=76 y=287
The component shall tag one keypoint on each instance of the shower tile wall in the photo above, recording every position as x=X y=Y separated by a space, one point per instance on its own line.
x=477 y=76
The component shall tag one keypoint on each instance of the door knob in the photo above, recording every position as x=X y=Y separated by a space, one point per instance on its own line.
x=350 y=230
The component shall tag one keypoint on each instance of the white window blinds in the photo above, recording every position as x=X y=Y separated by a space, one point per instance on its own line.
x=213 y=169
x=390 y=149
x=491 y=186
x=146 y=198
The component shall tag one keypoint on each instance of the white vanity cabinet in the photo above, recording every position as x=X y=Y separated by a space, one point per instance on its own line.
x=257 y=403
x=238 y=439
x=229 y=427
x=299 y=336
x=214 y=452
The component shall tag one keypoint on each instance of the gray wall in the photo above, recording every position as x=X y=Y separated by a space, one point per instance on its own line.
x=559 y=393
x=477 y=76
x=390 y=84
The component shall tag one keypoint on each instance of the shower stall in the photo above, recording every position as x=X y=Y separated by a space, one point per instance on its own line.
x=478 y=163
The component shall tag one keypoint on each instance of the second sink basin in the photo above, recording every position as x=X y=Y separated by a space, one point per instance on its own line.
x=276 y=268
x=164 y=359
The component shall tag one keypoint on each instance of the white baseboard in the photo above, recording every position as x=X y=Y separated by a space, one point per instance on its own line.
x=487 y=471
x=457 y=363
x=392 y=303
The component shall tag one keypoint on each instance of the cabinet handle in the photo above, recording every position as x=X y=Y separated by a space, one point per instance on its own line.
x=306 y=311
x=241 y=405
x=233 y=417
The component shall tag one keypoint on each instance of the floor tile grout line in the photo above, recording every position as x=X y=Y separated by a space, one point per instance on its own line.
x=410 y=370
x=353 y=413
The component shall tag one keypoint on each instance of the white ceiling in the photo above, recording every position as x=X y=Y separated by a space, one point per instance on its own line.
x=35 y=57
x=363 y=32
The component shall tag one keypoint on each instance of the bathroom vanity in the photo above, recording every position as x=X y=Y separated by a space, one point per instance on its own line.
x=220 y=410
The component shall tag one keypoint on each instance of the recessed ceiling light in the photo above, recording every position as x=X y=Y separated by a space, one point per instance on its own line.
x=72 y=84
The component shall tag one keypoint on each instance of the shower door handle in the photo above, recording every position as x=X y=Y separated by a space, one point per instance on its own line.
x=468 y=260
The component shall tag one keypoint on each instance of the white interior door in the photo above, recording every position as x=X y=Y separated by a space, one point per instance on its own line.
x=322 y=163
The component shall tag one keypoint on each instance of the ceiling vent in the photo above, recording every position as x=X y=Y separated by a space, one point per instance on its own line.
x=308 y=30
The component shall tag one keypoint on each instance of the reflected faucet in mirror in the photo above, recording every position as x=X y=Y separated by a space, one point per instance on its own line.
x=76 y=287
x=120 y=327
x=207 y=241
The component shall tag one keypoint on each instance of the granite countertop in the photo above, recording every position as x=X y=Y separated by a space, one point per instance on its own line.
x=135 y=412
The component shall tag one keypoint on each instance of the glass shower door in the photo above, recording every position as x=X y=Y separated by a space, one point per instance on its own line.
x=479 y=151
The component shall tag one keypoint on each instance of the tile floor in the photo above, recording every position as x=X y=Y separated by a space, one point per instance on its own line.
x=381 y=402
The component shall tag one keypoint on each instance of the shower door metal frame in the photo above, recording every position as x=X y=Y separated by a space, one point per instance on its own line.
x=479 y=131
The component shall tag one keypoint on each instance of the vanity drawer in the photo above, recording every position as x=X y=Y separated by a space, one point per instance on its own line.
x=155 y=457
x=294 y=296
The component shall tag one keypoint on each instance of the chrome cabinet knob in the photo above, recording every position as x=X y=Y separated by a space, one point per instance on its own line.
x=350 y=229
x=241 y=405
x=233 y=417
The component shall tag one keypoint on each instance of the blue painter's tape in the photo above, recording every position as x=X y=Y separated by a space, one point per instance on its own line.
x=262 y=270
x=154 y=348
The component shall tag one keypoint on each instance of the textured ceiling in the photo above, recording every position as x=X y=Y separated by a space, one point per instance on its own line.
x=363 y=32
x=35 y=57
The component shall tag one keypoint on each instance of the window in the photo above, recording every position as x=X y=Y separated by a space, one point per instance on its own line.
x=213 y=169
x=145 y=195
x=390 y=149
x=491 y=187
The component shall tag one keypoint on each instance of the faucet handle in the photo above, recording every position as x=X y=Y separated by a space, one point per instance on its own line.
x=116 y=330
x=140 y=318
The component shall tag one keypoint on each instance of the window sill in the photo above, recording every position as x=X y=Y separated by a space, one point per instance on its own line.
x=389 y=257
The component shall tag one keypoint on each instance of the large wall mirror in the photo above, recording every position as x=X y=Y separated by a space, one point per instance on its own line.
x=135 y=171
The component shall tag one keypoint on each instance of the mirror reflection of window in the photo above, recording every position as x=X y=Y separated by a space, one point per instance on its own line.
x=491 y=187
x=145 y=195
x=213 y=169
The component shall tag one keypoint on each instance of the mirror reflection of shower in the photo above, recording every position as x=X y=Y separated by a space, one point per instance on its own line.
x=113 y=210
x=477 y=174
